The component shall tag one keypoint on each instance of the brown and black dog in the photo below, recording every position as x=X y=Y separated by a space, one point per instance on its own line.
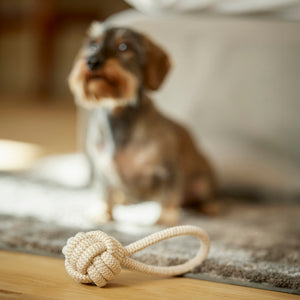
x=136 y=152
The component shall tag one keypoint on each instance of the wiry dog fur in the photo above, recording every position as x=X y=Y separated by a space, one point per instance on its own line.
x=136 y=152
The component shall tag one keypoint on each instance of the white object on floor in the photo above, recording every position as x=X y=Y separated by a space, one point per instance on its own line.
x=17 y=155
x=70 y=169
x=69 y=203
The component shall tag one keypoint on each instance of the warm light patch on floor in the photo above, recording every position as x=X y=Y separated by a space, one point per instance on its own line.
x=18 y=155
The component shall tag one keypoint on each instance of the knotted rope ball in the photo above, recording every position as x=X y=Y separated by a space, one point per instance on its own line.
x=95 y=257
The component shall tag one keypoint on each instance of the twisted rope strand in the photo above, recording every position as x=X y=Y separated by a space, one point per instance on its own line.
x=95 y=257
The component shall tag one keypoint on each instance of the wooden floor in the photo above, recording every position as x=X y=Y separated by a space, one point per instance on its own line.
x=25 y=276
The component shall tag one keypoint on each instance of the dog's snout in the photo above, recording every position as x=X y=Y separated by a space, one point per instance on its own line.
x=94 y=63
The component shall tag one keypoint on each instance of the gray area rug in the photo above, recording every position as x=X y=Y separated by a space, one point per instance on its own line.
x=253 y=243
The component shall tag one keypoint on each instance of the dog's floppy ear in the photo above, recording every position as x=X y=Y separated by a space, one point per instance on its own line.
x=156 y=66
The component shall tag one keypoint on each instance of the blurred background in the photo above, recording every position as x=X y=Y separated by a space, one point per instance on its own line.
x=39 y=40
x=234 y=83
x=38 y=43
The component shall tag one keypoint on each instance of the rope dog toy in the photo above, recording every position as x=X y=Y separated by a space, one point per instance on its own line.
x=95 y=257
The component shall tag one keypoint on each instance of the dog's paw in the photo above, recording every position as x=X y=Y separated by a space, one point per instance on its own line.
x=212 y=208
x=168 y=217
x=100 y=213
x=100 y=218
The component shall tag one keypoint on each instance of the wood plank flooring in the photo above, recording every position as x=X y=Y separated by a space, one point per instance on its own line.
x=25 y=276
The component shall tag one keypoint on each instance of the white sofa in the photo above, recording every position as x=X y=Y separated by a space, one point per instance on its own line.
x=236 y=84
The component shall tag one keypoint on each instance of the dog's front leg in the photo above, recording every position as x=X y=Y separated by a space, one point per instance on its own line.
x=102 y=212
x=170 y=199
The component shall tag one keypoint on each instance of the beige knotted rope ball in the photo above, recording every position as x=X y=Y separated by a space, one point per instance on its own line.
x=95 y=257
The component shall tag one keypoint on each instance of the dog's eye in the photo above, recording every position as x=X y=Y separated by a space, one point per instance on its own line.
x=123 y=47
x=93 y=46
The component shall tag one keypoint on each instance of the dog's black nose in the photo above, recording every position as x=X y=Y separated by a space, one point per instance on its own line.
x=93 y=63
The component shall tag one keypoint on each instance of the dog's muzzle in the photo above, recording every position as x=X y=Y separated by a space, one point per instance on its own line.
x=94 y=63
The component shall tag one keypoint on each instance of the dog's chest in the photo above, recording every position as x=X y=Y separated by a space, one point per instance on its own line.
x=101 y=147
x=123 y=153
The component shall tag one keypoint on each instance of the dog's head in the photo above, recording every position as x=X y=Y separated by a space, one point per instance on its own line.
x=114 y=65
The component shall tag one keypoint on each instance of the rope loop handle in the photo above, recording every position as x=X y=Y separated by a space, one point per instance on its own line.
x=95 y=257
